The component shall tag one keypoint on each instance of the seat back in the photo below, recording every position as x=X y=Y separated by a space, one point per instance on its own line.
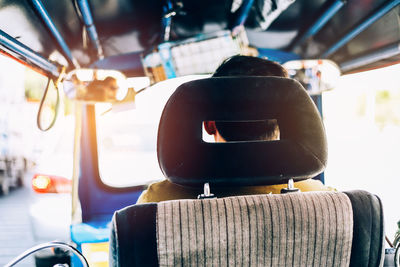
x=297 y=229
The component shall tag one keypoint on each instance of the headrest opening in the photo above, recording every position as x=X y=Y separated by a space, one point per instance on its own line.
x=185 y=159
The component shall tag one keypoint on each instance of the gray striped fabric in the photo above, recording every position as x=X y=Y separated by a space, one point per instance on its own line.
x=298 y=229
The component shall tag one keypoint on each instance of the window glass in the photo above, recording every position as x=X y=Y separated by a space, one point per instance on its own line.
x=127 y=139
x=362 y=120
x=21 y=90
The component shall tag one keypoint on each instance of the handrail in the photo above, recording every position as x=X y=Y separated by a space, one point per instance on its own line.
x=13 y=46
x=86 y=16
x=54 y=31
x=319 y=23
x=361 y=27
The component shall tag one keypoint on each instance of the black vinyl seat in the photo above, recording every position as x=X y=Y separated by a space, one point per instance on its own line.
x=295 y=229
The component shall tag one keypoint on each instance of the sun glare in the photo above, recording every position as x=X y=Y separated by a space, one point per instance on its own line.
x=362 y=120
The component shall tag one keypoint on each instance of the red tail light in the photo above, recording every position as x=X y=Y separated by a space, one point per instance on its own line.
x=43 y=183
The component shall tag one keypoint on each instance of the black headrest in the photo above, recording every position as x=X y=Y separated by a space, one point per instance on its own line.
x=186 y=159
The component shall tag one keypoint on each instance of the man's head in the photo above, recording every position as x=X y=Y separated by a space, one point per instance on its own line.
x=249 y=66
x=242 y=131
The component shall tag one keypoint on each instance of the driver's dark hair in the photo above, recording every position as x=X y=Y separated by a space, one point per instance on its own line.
x=249 y=66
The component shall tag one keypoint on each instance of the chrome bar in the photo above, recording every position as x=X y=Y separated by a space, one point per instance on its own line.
x=54 y=31
x=13 y=46
x=361 y=27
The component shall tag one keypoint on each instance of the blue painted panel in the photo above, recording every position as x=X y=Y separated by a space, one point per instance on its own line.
x=166 y=57
x=277 y=55
x=92 y=232
x=98 y=201
x=130 y=64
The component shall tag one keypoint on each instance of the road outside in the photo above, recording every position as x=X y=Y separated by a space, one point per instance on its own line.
x=15 y=227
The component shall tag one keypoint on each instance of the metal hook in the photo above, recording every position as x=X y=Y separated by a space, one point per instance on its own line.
x=207 y=192
x=290 y=188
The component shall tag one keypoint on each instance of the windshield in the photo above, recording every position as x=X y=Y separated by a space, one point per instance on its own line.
x=127 y=140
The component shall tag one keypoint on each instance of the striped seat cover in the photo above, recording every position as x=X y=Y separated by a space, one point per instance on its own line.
x=299 y=229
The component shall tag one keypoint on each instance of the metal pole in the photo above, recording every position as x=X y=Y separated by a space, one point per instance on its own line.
x=320 y=22
x=243 y=13
x=54 y=31
x=386 y=52
x=167 y=20
x=13 y=46
x=361 y=27
x=84 y=9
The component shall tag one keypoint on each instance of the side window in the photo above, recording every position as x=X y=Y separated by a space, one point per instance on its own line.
x=362 y=120
x=21 y=90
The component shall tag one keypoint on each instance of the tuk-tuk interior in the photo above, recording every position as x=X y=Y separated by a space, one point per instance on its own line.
x=165 y=42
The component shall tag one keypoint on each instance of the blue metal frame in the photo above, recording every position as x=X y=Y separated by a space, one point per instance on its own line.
x=384 y=53
x=84 y=9
x=167 y=20
x=277 y=55
x=243 y=13
x=361 y=27
x=320 y=22
x=38 y=5
x=13 y=46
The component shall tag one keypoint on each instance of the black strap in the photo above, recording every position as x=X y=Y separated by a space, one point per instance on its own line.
x=133 y=236
x=368 y=230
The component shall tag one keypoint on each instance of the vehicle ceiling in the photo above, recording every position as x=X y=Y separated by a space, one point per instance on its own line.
x=126 y=26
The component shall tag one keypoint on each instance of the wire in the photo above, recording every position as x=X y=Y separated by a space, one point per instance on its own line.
x=52 y=244
x=388 y=241
x=39 y=114
x=56 y=84
x=141 y=90
x=130 y=97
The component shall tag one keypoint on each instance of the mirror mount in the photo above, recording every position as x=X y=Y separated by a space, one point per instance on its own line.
x=95 y=85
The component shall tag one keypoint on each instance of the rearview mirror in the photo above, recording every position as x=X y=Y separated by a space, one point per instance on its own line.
x=94 y=85
x=315 y=75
